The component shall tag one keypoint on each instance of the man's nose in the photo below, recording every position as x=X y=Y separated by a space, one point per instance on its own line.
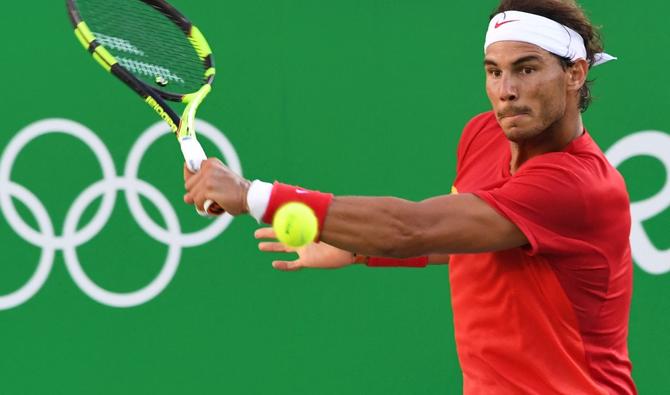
x=508 y=89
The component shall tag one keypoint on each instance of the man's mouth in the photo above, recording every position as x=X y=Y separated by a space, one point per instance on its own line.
x=512 y=114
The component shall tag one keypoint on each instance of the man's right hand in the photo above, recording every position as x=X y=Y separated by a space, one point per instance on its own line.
x=314 y=255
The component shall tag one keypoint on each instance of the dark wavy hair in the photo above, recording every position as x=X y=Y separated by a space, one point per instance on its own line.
x=570 y=14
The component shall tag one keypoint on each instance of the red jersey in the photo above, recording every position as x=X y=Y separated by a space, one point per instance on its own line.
x=550 y=317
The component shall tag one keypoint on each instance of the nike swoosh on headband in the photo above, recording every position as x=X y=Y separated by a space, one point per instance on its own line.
x=498 y=24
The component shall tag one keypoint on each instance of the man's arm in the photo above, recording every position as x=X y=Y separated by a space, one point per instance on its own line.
x=398 y=228
x=380 y=226
x=318 y=255
x=439 y=259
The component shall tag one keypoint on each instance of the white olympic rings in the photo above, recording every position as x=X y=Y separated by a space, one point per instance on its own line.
x=71 y=238
x=655 y=144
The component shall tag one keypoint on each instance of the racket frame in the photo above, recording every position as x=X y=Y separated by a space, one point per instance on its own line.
x=183 y=127
x=155 y=98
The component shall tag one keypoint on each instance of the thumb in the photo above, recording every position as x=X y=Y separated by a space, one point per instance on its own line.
x=287 y=266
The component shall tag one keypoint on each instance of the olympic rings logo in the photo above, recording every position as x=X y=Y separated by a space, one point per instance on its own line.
x=73 y=235
x=650 y=143
x=657 y=145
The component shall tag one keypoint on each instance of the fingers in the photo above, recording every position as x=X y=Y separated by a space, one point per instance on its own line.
x=286 y=266
x=269 y=233
x=191 y=179
x=188 y=199
x=274 y=247
x=194 y=195
x=215 y=209
x=216 y=162
x=187 y=172
x=265 y=233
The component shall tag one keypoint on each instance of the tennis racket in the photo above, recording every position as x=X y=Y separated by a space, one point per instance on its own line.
x=159 y=54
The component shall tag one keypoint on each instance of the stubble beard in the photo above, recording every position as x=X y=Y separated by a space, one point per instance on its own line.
x=535 y=130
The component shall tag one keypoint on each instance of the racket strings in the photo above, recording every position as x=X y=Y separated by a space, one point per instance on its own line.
x=146 y=43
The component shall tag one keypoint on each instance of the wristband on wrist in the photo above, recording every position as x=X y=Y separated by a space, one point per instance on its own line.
x=265 y=199
x=258 y=197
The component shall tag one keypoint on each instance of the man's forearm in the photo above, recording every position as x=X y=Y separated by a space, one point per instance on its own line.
x=396 y=228
x=373 y=226
x=439 y=259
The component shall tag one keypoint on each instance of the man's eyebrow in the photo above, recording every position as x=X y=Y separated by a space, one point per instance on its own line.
x=524 y=59
x=527 y=59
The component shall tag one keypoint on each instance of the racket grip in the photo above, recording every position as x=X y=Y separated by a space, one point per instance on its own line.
x=193 y=153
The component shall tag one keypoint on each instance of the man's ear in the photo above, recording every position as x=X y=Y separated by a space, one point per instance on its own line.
x=577 y=74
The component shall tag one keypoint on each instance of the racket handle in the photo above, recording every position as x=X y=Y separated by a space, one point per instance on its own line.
x=194 y=155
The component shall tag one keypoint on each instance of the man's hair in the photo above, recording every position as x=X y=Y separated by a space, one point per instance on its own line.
x=570 y=14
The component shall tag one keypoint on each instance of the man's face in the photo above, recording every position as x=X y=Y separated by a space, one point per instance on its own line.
x=527 y=87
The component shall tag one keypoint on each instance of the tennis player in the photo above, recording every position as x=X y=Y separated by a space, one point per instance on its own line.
x=535 y=233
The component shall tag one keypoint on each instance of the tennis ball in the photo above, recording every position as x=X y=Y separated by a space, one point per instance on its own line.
x=295 y=224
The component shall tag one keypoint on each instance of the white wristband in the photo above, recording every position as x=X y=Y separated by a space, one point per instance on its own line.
x=258 y=198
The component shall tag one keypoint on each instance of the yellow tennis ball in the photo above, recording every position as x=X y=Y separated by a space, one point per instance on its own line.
x=295 y=224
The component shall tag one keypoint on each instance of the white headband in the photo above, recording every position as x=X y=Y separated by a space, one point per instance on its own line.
x=543 y=32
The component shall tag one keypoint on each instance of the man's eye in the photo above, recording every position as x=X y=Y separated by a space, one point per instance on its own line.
x=527 y=70
x=495 y=73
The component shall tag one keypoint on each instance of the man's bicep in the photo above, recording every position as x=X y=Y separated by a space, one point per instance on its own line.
x=467 y=224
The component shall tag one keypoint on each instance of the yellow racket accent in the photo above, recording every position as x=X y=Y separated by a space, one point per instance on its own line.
x=101 y=61
x=105 y=55
x=193 y=100
x=81 y=38
x=100 y=54
x=199 y=43
x=83 y=29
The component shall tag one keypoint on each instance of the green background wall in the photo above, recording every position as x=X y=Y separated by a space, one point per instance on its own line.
x=355 y=97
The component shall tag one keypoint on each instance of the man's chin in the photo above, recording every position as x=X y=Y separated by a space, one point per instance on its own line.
x=515 y=133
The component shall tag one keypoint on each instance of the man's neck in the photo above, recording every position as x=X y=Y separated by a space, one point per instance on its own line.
x=554 y=139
